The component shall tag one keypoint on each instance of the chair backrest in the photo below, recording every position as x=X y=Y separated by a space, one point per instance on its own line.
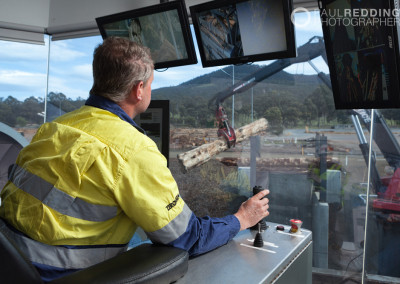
x=14 y=267
x=143 y=264
x=150 y=264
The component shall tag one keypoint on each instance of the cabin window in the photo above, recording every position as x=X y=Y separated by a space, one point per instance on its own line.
x=309 y=156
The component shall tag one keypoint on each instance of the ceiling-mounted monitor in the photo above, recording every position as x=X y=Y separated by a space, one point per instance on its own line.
x=242 y=31
x=163 y=28
x=362 y=47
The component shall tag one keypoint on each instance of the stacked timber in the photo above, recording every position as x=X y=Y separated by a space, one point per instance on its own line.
x=204 y=153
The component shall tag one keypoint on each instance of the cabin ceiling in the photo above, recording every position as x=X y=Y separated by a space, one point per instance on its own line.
x=29 y=20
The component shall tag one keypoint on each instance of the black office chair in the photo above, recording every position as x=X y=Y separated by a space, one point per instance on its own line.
x=146 y=263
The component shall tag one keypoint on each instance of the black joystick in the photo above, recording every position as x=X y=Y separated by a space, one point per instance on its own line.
x=262 y=222
x=257 y=189
x=258 y=240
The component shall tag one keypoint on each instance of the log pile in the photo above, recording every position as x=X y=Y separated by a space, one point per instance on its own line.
x=275 y=164
x=204 y=153
x=184 y=138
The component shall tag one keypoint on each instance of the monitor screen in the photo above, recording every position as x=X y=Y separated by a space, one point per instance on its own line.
x=362 y=49
x=242 y=31
x=164 y=28
x=155 y=121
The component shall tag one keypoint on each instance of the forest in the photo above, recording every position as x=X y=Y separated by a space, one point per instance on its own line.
x=285 y=100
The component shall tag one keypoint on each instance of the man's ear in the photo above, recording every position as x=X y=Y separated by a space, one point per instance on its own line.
x=137 y=90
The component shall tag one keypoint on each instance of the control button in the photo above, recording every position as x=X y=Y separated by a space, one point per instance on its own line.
x=280 y=228
x=296 y=225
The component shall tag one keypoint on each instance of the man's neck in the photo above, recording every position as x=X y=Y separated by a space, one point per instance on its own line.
x=130 y=110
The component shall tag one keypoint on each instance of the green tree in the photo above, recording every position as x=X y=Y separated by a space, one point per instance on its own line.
x=320 y=104
x=7 y=114
x=30 y=109
x=291 y=114
x=21 y=121
x=274 y=118
x=61 y=101
x=343 y=116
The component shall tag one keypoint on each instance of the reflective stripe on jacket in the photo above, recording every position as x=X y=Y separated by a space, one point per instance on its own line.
x=89 y=179
x=67 y=257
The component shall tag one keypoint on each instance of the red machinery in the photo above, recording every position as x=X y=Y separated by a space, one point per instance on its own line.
x=389 y=200
x=224 y=129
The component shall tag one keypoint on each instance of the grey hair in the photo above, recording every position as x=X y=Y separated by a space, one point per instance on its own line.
x=118 y=65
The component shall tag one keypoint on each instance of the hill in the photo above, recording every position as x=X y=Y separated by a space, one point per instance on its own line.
x=206 y=86
x=295 y=96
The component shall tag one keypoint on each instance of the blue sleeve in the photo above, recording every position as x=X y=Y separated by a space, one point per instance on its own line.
x=205 y=234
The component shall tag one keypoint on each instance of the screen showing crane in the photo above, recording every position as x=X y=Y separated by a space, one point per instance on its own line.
x=362 y=49
x=163 y=28
x=233 y=32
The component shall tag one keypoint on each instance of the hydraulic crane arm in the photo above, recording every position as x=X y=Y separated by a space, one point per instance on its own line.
x=383 y=138
x=313 y=48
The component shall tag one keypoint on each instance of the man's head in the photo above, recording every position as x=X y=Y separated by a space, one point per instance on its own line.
x=118 y=66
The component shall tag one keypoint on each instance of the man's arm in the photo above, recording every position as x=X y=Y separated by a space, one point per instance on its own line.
x=205 y=234
x=150 y=197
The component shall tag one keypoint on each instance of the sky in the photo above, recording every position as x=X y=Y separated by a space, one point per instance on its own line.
x=23 y=67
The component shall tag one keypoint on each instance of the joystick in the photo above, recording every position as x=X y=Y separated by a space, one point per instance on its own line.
x=258 y=240
x=262 y=222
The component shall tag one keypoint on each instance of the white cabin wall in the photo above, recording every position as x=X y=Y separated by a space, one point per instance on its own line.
x=28 y=20
x=73 y=15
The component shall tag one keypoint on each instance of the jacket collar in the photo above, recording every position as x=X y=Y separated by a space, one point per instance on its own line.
x=106 y=104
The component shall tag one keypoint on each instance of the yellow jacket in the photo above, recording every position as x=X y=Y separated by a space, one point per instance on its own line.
x=53 y=195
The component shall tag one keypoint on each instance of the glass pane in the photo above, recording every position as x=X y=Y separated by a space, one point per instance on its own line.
x=23 y=69
x=70 y=78
x=309 y=157
x=23 y=73
x=383 y=228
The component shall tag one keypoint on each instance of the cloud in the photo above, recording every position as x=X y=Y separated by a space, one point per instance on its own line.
x=21 y=78
x=22 y=84
x=69 y=87
x=177 y=75
x=61 y=51
x=22 y=51
x=79 y=75
x=83 y=70
x=171 y=77
x=25 y=53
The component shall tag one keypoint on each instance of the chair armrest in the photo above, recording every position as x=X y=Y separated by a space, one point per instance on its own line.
x=146 y=263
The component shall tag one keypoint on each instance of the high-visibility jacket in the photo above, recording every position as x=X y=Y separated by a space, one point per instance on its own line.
x=87 y=180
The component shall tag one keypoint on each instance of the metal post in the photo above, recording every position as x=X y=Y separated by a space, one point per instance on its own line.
x=47 y=82
x=254 y=153
x=370 y=162
x=233 y=97
x=252 y=108
x=323 y=166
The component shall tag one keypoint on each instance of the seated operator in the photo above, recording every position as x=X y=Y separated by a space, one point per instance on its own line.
x=88 y=179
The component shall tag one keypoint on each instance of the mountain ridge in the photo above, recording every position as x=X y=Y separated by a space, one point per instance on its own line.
x=207 y=85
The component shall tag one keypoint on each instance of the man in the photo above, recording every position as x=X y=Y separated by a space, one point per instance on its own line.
x=88 y=179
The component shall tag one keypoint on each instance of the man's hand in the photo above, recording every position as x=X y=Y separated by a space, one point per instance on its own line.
x=253 y=210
